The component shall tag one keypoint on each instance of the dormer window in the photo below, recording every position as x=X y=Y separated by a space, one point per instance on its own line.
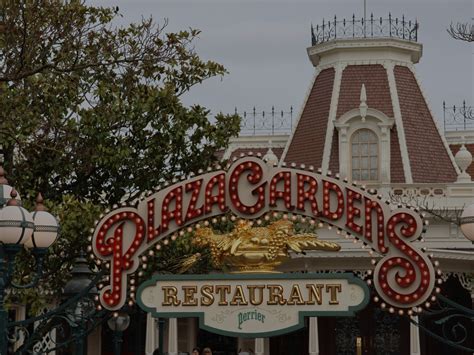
x=364 y=143
x=365 y=155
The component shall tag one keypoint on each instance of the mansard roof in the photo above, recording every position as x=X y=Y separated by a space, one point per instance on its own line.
x=306 y=146
x=428 y=152
x=418 y=151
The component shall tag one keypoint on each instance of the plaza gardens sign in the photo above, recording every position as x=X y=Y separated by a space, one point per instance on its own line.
x=255 y=300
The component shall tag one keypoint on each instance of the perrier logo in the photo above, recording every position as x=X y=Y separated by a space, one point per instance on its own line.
x=255 y=315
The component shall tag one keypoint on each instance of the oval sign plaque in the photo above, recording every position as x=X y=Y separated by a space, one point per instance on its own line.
x=252 y=305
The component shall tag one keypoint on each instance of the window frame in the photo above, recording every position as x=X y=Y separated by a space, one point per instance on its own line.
x=360 y=156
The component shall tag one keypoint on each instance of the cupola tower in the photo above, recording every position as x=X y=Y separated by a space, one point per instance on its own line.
x=365 y=115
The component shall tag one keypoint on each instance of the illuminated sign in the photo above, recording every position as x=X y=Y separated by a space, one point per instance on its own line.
x=404 y=277
x=253 y=305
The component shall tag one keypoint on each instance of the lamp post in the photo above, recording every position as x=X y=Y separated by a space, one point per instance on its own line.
x=118 y=323
x=19 y=229
x=80 y=280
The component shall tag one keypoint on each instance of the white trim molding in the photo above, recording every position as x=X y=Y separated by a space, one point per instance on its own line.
x=389 y=67
x=255 y=142
x=339 y=68
x=364 y=49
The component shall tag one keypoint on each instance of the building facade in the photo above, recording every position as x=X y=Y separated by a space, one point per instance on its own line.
x=366 y=118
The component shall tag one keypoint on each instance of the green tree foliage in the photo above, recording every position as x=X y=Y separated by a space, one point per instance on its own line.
x=93 y=110
x=91 y=113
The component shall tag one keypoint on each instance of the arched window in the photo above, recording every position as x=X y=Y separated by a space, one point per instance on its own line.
x=365 y=155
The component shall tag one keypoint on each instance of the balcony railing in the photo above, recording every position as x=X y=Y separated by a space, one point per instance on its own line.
x=271 y=122
x=364 y=28
x=458 y=118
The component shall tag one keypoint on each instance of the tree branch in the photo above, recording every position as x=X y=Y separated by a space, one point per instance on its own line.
x=462 y=31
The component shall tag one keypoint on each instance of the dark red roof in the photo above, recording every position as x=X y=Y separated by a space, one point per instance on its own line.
x=397 y=174
x=307 y=145
x=374 y=77
x=429 y=159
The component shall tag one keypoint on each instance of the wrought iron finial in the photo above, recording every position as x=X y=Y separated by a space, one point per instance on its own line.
x=13 y=201
x=39 y=203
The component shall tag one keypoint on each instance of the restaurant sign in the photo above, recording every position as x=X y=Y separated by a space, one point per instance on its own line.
x=252 y=191
x=253 y=305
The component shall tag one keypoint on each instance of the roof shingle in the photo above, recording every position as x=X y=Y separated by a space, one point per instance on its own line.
x=429 y=159
x=307 y=145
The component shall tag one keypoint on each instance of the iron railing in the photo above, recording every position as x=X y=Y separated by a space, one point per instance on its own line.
x=364 y=28
x=458 y=118
x=273 y=121
x=450 y=323
x=263 y=122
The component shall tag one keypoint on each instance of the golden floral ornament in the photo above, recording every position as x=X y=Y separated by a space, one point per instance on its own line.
x=250 y=249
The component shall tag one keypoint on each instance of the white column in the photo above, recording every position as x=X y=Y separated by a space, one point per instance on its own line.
x=313 y=336
x=173 y=336
x=259 y=346
x=414 y=338
x=339 y=68
x=150 y=337
x=267 y=346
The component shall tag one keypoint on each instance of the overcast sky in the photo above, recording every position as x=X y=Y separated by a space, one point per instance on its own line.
x=263 y=45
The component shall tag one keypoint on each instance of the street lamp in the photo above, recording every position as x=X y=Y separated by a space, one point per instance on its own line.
x=19 y=229
x=118 y=323
x=81 y=314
